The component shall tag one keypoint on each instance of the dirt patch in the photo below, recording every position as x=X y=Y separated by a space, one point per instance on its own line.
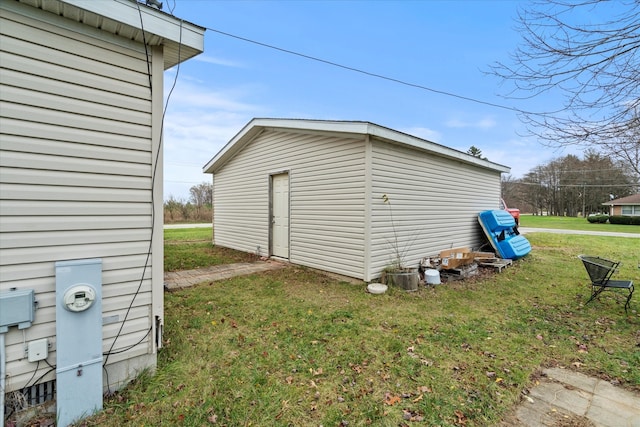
x=560 y=420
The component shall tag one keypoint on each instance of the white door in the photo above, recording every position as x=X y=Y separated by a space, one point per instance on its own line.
x=280 y=215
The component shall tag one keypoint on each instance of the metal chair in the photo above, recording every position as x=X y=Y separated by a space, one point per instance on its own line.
x=600 y=271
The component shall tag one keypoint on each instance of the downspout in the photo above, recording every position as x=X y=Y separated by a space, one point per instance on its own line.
x=3 y=374
x=368 y=173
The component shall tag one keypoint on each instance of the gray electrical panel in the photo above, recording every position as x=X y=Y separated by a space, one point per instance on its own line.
x=17 y=308
x=79 y=339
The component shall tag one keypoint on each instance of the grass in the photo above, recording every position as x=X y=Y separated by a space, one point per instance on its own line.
x=573 y=223
x=202 y=234
x=191 y=248
x=294 y=347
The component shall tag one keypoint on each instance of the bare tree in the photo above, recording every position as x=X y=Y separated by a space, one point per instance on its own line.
x=201 y=194
x=201 y=197
x=595 y=65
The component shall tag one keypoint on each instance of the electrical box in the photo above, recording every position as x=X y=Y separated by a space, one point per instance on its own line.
x=78 y=339
x=38 y=350
x=17 y=308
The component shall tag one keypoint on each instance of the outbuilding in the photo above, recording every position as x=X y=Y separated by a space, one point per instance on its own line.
x=343 y=196
x=81 y=230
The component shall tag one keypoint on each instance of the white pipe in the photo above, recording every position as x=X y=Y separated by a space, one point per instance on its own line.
x=3 y=356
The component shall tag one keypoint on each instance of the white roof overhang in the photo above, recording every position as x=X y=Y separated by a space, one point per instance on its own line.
x=182 y=40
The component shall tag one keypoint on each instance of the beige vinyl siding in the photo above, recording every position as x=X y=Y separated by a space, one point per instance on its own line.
x=75 y=174
x=434 y=200
x=326 y=190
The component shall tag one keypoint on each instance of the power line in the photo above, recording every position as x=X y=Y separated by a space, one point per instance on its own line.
x=369 y=73
x=577 y=185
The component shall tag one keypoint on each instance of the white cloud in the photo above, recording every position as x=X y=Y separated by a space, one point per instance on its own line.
x=424 y=133
x=218 y=61
x=198 y=123
x=484 y=123
x=197 y=96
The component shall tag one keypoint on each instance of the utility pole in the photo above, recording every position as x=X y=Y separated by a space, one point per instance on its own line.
x=584 y=198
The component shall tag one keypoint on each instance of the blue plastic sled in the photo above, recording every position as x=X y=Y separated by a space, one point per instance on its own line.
x=501 y=229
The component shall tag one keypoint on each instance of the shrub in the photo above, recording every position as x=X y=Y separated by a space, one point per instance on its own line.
x=625 y=220
x=598 y=219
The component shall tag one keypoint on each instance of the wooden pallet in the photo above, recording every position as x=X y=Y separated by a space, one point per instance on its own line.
x=497 y=263
x=463 y=272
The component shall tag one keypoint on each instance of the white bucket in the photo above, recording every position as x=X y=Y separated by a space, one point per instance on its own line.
x=432 y=277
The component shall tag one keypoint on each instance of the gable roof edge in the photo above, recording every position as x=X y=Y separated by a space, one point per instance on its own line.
x=257 y=125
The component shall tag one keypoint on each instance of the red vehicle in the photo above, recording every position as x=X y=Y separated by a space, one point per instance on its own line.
x=515 y=212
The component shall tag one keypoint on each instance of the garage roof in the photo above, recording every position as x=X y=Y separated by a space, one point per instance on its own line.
x=355 y=128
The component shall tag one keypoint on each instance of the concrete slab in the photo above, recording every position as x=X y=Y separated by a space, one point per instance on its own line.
x=566 y=398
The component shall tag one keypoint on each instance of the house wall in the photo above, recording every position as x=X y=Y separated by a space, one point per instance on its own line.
x=326 y=190
x=434 y=202
x=627 y=210
x=76 y=164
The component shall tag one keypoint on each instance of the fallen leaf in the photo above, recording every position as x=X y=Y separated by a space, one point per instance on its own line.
x=424 y=389
x=418 y=399
x=390 y=399
x=213 y=419
x=462 y=419
x=289 y=379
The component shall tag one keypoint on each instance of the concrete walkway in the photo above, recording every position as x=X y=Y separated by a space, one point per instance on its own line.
x=174 y=280
x=174 y=226
x=565 y=398
x=526 y=230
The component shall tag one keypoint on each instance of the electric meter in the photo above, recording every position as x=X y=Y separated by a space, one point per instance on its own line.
x=79 y=297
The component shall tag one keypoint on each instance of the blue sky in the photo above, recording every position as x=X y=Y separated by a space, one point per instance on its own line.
x=445 y=45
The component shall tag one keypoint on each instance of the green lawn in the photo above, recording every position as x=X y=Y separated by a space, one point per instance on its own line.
x=573 y=223
x=191 y=248
x=294 y=347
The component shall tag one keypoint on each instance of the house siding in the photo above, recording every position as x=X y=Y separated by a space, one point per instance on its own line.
x=434 y=202
x=76 y=164
x=326 y=190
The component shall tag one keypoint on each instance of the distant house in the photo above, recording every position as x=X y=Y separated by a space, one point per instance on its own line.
x=629 y=206
x=81 y=180
x=310 y=192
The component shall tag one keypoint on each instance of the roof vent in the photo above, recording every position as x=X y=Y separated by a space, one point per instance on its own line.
x=155 y=3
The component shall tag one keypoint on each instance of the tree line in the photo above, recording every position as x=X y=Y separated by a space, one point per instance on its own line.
x=571 y=186
x=198 y=208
